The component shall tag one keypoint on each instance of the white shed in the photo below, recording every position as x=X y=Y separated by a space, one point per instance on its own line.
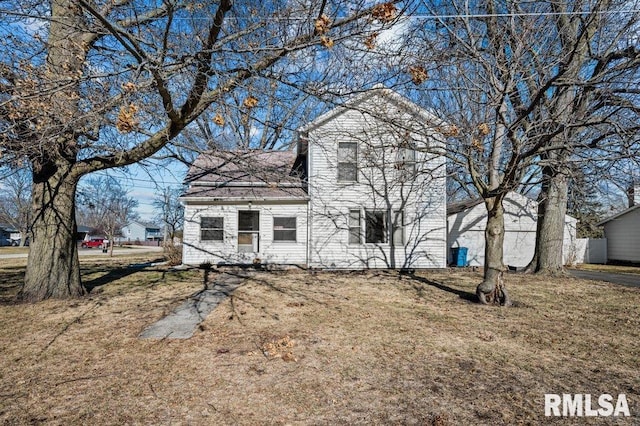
x=622 y=232
x=467 y=220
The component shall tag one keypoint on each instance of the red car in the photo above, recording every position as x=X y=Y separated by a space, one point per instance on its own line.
x=93 y=243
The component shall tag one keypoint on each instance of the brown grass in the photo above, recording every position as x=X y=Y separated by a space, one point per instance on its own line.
x=329 y=348
x=616 y=269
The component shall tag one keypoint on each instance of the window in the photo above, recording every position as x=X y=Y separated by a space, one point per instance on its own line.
x=406 y=161
x=354 y=227
x=376 y=226
x=347 y=162
x=398 y=228
x=211 y=229
x=284 y=229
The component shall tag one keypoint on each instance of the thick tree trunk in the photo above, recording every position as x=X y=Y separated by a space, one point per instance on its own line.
x=492 y=288
x=53 y=269
x=552 y=207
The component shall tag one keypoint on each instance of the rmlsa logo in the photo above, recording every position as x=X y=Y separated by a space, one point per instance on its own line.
x=578 y=405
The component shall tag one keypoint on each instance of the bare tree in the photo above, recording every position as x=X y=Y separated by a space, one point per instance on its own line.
x=15 y=202
x=90 y=85
x=517 y=82
x=105 y=206
x=170 y=211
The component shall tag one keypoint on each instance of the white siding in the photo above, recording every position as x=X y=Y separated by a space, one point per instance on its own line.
x=196 y=252
x=466 y=229
x=422 y=199
x=623 y=237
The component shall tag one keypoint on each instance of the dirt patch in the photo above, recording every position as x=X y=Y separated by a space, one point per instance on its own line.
x=328 y=348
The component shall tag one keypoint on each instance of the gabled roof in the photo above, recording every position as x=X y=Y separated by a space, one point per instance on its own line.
x=377 y=90
x=253 y=174
x=617 y=215
x=146 y=225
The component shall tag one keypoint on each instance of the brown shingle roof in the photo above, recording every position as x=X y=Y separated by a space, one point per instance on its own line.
x=243 y=166
x=245 y=175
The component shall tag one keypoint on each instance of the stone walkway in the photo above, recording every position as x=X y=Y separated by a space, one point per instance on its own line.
x=182 y=323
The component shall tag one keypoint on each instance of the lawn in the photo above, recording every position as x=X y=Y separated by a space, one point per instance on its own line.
x=325 y=348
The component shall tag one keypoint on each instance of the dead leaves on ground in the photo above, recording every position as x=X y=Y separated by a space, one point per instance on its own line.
x=279 y=348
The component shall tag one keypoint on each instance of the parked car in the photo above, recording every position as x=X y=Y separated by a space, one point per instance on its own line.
x=93 y=243
x=16 y=242
x=4 y=241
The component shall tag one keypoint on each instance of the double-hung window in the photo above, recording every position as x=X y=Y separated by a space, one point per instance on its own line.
x=211 y=229
x=398 y=228
x=284 y=229
x=347 y=162
x=406 y=161
x=355 y=229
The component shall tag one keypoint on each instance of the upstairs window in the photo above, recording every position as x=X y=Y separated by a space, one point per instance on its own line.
x=406 y=161
x=376 y=226
x=284 y=229
x=347 y=162
x=211 y=229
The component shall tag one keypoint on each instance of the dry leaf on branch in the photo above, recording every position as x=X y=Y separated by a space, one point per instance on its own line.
x=483 y=129
x=250 y=102
x=370 y=41
x=385 y=12
x=126 y=121
x=218 y=119
x=477 y=145
x=418 y=74
x=322 y=24
x=129 y=87
x=326 y=42
x=450 y=131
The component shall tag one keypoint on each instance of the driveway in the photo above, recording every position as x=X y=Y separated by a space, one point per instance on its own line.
x=629 y=280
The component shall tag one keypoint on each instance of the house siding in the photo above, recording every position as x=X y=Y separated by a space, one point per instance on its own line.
x=623 y=234
x=466 y=229
x=196 y=252
x=422 y=199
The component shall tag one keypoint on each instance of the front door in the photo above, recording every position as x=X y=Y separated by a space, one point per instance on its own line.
x=248 y=231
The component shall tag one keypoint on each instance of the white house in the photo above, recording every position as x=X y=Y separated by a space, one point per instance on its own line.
x=622 y=232
x=365 y=188
x=140 y=231
x=467 y=220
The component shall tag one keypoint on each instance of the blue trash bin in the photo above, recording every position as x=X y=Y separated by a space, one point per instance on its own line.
x=459 y=256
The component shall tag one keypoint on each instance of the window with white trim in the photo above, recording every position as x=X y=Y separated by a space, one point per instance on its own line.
x=398 y=228
x=355 y=228
x=284 y=229
x=347 y=162
x=406 y=161
x=211 y=228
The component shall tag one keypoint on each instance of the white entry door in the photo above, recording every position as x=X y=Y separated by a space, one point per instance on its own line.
x=248 y=231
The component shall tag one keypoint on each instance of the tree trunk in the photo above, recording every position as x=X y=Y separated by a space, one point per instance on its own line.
x=552 y=207
x=53 y=269
x=492 y=288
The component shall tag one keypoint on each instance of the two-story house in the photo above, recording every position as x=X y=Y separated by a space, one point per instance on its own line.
x=364 y=188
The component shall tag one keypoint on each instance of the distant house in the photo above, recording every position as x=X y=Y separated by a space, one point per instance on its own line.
x=467 y=220
x=357 y=193
x=622 y=232
x=9 y=232
x=140 y=231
